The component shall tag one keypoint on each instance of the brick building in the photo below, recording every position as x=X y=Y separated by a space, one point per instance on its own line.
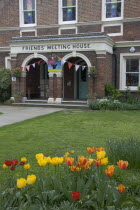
x=80 y=33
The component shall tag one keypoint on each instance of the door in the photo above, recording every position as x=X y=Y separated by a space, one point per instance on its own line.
x=82 y=83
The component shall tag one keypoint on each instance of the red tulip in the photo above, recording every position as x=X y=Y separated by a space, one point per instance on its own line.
x=75 y=195
x=14 y=162
x=8 y=162
x=22 y=163
x=12 y=168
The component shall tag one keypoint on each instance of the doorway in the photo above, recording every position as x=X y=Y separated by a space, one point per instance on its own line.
x=75 y=80
x=37 y=80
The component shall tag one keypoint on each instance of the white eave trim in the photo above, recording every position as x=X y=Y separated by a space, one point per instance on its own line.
x=4 y=49
x=128 y=43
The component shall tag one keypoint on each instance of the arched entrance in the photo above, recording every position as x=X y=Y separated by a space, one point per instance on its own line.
x=75 y=85
x=37 y=78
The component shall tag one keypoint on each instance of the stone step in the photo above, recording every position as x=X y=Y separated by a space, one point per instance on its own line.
x=65 y=106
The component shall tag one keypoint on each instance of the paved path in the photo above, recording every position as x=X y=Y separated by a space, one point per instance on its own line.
x=13 y=114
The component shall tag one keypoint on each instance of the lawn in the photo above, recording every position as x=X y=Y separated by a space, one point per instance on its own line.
x=67 y=130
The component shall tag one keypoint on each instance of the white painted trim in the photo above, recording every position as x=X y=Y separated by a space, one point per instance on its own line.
x=5 y=49
x=7 y=59
x=21 y=18
x=128 y=44
x=30 y=57
x=112 y=25
x=115 y=18
x=60 y=14
x=67 y=28
x=77 y=55
x=30 y=30
x=123 y=57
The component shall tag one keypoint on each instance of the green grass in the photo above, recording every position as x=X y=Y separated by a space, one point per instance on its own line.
x=56 y=133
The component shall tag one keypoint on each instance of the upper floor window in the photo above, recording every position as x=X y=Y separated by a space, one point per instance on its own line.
x=28 y=12
x=113 y=9
x=68 y=11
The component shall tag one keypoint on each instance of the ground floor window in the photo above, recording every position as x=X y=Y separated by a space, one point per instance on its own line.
x=130 y=73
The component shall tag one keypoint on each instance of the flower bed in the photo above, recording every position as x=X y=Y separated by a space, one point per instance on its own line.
x=77 y=182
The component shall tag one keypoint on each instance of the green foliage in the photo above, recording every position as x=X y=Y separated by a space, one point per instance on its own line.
x=109 y=89
x=112 y=105
x=9 y=102
x=5 y=84
x=16 y=72
x=124 y=150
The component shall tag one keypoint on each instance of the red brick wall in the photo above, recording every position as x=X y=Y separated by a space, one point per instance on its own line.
x=2 y=58
x=112 y=29
x=5 y=36
x=132 y=8
x=68 y=31
x=89 y=28
x=47 y=31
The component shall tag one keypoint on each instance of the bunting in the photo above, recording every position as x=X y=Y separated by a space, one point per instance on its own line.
x=69 y=65
x=59 y=64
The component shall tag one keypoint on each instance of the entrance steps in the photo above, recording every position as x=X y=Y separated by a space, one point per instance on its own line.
x=67 y=104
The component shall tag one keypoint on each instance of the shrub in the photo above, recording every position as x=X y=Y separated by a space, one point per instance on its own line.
x=5 y=84
x=129 y=150
x=112 y=105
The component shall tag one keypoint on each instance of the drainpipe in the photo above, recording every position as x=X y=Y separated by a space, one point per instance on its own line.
x=115 y=67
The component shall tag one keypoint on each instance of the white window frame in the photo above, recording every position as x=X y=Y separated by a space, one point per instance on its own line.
x=67 y=28
x=114 y=18
x=60 y=12
x=123 y=57
x=21 y=15
x=111 y=25
x=8 y=62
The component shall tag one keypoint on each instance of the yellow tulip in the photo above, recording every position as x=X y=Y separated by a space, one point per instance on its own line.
x=21 y=183
x=31 y=179
x=104 y=161
x=72 y=151
x=24 y=159
x=27 y=166
x=39 y=156
x=55 y=161
x=60 y=160
x=42 y=162
x=47 y=159
x=101 y=154
x=4 y=166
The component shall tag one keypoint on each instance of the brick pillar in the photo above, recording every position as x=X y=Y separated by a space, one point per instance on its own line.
x=59 y=88
x=104 y=73
x=55 y=87
x=51 y=86
x=13 y=66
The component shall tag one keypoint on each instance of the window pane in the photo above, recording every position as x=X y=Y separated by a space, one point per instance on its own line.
x=29 y=17
x=113 y=10
x=28 y=4
x=69 y=14
x=132 y=65
x=132 y=79
x=67 y=3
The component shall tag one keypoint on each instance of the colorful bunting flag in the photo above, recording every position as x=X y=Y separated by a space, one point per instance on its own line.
x=83 y=67
x=28 y=67
x=77 y=67
x=38 y=62
x=69 y=65
x=33 y=65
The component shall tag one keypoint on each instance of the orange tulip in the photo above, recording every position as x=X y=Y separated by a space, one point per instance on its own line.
x=110 y=171
x=122 y=164
x=121 y=188
x=97 y=162
x=74 y=168
x=86 y=166
x=100 y=149
x=82 y=160
x=69 y=161
x=90 y=149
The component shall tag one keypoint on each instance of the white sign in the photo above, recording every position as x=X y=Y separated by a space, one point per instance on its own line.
x=14 y=79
